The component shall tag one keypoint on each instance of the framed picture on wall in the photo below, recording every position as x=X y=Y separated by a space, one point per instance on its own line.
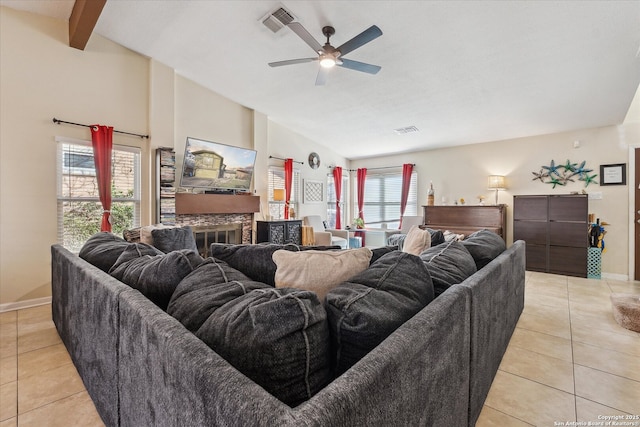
x=313 y=191
x=613 y=174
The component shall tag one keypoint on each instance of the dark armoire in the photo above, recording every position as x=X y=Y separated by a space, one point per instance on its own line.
x=556 y=231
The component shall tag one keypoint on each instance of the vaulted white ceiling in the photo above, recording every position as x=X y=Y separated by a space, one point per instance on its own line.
x=461 y=72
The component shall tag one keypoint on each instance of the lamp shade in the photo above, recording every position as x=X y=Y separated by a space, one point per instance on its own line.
x=496 y=182
x=278 y=194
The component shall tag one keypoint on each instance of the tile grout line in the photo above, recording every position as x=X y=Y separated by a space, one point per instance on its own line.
x=50 y=403
x=573 y=359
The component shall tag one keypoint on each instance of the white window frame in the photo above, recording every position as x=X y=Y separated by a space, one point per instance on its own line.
x=331 y=200
x=63 y=170
x=275 y=175
x=388 y=206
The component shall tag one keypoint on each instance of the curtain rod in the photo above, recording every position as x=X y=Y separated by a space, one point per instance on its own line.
x=58 y=121
x=371 y=169
x=280 y=158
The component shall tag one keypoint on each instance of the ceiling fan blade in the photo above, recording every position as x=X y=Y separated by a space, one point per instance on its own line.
x=363 y=38
x=291 y=62
x=359 y=66
x=297 y=28
x=321 y=79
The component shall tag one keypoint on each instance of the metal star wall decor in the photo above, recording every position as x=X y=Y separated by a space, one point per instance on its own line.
x=540 y=175
x=563 y=174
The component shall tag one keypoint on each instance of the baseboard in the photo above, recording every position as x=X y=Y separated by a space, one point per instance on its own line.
x=11 y=306
x=614 y=276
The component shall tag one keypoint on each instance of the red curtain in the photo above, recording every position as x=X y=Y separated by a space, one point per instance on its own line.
x=102 y=142
x=288 y=179
x=337 y=181
x=362 y=176
x=407 y=170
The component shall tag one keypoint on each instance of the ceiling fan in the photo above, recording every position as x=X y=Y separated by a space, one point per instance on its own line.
x=329 y=56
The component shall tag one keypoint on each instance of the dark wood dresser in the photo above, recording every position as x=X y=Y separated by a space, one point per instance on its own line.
x=465 y=219
x=556 y=231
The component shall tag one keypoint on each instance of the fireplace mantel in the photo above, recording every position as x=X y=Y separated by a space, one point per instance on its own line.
x=189 y=204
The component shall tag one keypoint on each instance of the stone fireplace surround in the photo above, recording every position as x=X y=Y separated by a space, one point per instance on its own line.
x=203 y=210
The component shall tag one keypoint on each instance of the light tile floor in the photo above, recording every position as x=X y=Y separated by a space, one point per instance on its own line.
x=568 y=361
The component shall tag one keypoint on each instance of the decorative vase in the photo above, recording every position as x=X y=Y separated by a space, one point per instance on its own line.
x=430 y=195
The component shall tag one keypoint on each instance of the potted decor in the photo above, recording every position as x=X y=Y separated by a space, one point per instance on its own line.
x=358 y=223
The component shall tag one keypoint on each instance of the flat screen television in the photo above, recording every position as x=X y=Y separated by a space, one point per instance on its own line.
x=216 y=167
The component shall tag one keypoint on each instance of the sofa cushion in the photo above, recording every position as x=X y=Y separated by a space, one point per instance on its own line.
x=448 y=264
x=277 y=337
x=437 y=237
x=174 y=238
x=211 y=285
x=417 y=240
x=377 y=253
x=318 y=271
x=156 y=276
x=136 y=250
x=145 y=232
x=366 y=309
x=484 y=246
x=256 y=260
x=103 y=249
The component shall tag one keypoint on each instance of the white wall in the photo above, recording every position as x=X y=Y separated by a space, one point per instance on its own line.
x=284 y=143
x=41 y=77
x=462 y=172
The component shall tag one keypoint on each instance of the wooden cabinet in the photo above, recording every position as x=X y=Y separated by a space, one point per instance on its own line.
x=555 y=230
x=281 y=232
x=467 y=219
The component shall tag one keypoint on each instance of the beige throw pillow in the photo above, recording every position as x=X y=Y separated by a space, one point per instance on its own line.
x=417 y=240
x=318 y=271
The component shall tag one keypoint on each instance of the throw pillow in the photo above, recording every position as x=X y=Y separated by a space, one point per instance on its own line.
x=173 y=239
x=368 y=307
x=256 y=261
x=277 y=337
x=318 y=271
x=377 y=253
x=450 y=236
x=484 y=246
x=437 y=237
x=210 y=286
x=103 y=249
x=156 y=277
x=448 y=264
x=417 y=240
x=145 y=232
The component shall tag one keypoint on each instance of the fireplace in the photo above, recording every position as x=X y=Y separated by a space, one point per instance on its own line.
x=205 y=235
x=219 y=218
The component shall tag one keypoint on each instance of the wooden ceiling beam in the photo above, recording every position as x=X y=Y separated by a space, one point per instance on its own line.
x=83 y=19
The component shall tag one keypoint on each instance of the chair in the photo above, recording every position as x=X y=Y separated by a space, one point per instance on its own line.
x=409 y=221
x=326 y=237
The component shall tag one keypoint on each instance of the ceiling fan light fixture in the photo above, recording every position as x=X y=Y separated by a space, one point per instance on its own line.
x=327 y=61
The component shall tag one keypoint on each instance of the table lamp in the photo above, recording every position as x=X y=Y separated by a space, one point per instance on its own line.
x=278 y=196
x=496 y=182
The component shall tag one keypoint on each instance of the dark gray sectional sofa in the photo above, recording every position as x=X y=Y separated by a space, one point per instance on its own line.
x=142 y=367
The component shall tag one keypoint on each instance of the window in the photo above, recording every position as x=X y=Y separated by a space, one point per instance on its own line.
x=382 y=198
x=276 y=180
x=79 y=207
x=331 y=201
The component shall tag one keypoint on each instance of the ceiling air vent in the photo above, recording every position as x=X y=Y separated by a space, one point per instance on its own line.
x=405 y=130
x=277 y=19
